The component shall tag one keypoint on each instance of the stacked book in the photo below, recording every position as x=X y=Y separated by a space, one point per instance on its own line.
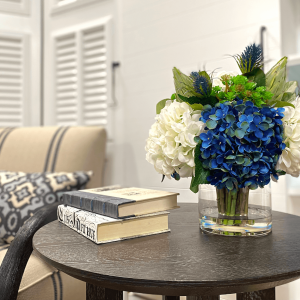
x=112 y=214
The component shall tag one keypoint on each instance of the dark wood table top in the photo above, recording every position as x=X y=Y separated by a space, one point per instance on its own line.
x=183 y=262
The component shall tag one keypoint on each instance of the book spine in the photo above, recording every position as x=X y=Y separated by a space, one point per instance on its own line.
x=70 y=218
x=86 y=223
x=97 y=206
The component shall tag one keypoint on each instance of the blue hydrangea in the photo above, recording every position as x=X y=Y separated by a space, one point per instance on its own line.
x=242 y=144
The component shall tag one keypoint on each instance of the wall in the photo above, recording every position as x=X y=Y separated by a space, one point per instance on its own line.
x=161 y=34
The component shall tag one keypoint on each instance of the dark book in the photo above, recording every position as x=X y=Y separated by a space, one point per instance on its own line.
x=121 y=203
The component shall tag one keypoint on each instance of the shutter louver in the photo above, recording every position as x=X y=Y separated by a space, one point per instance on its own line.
x=94 y=77
x=64 y=2
x=15 y=6
x=66 y=80
x=82 y=82
x=11 y=81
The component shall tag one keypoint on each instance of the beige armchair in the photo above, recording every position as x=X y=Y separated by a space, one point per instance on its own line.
x=51 y=149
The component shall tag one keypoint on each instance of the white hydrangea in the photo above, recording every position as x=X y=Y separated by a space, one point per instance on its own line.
x=170 y=146
x=289 y=160
x=217 y=78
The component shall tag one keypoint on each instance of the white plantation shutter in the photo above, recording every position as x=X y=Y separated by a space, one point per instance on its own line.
x=66 y=80
x=64 y=2
x=83 y=75
x=13 y=87
x=60 y=6
x=94 y=77
x=15 y=6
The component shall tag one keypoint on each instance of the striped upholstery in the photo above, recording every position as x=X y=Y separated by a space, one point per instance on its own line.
x=41 y=281
x=40 y=149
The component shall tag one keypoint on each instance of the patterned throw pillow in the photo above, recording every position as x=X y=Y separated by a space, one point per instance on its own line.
x=22 y=194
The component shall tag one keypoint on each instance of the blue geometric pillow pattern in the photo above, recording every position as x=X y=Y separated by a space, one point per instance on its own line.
x=22 y=194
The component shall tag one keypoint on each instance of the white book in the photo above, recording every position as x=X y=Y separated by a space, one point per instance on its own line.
x=102 y=229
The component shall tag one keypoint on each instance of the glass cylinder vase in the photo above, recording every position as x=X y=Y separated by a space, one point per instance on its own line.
x=240 y=212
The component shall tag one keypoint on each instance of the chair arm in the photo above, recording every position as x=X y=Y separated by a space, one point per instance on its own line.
x=15 y=260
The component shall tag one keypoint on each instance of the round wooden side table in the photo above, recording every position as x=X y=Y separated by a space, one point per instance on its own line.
x=185 y=262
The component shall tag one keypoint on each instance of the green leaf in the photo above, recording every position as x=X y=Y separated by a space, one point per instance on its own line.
x=258 y=76
x=268 y=120
x=184 y=85
x=259 y=102
x=201 y=174
x=230 y=132
x=196 y=106
x=275 y=73
x=229 y=184
x=245 y=125
x=280 y=172
x=207 y=107
x=190 y=100
x=196 y=100
x=239 y=133
x=211 y=124
x=276 y=83
x=173 y=97
x=197 y=139
x=213 y=117
x=247 y=161
x=283 y=104
x=240 y=159
x=224 y=179
x=230 y=118
x=288 y=97
x=160 y=105
x=263 y=126
x=240 y=107
x=176 y=176
x=230 y=157
x=256 y=155
x=291 y=86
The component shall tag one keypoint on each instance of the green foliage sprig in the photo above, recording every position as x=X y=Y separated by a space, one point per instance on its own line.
x=283 y=92
x=239 y=86
x=254 y=85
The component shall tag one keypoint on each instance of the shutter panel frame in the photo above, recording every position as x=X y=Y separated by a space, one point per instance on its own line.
x=21 y=7
x=64 y=6
x=14 y=79
x=89 y=102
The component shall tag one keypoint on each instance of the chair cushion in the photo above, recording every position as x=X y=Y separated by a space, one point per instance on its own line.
x=42 y=281
x=22 y=194
x=54 y=149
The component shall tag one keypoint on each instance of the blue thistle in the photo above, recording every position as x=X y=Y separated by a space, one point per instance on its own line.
x=201 y=83
x=250 y=59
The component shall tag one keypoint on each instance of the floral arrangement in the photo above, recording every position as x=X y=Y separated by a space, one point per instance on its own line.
x=233 y=131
